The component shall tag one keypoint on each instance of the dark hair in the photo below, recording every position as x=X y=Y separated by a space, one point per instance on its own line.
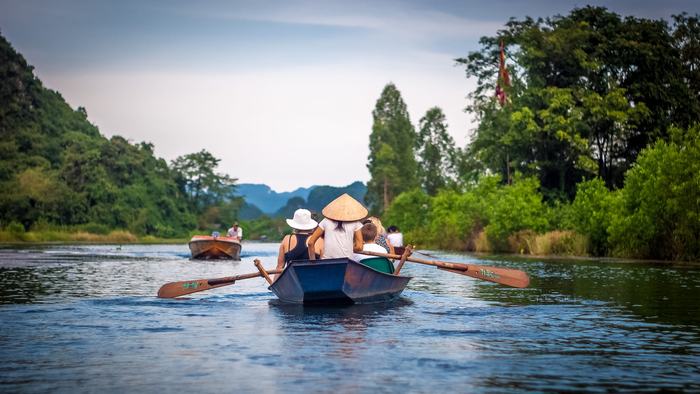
x=339 y=226
x=393 y=229
x=369 y=232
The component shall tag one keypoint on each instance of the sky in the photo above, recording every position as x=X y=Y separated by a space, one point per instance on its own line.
x=281 y=91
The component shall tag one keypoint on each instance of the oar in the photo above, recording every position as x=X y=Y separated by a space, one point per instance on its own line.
x=504 y=276
x=176 y=289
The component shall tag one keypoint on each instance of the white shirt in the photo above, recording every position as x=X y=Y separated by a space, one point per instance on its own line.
x=338 y=243
x=235 y=233
x=370 y=248
x=396 y=239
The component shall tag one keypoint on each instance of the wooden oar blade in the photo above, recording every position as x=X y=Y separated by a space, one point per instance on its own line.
x=504 y=276
x=177 y=289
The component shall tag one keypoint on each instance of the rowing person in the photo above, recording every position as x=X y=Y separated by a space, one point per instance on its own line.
x=340 y=228
x=293 y=246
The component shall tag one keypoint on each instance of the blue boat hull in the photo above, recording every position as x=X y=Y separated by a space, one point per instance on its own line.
x=336 y=281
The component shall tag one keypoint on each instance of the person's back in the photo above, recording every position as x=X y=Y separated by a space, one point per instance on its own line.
x=338 y=238
x=340 y=228
x=395 y=236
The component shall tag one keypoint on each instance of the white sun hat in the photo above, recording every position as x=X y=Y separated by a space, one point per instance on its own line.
x=302 y=220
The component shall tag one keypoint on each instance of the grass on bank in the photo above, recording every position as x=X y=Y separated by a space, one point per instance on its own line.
x=112 y=237
x=528 y=242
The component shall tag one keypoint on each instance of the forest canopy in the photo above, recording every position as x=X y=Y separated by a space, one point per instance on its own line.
x=586 y=143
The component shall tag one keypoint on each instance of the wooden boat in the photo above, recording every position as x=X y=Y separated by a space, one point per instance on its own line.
x=338 y=281
x=209 y=247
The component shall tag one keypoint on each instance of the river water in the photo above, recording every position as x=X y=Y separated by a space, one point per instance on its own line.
x=86 y=319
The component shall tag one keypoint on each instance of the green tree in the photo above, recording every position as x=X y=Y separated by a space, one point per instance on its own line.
x=584 y=88
x=391 y=160
x=197 y=179
x=436 y=153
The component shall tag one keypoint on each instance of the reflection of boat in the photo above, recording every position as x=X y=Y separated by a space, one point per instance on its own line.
x=208 y=247
x=336 y=281
x=365 y=312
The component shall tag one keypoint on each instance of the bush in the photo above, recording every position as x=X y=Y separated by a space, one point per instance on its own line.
x=15 y=228
x=410 y=213
x=660 y=202
x=516 y=207
x=592 y=212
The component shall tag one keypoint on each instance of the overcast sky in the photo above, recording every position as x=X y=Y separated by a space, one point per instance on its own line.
x=281 y=92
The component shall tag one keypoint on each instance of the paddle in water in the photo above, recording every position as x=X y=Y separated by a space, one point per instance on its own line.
x=504 y=276
x=177 y=289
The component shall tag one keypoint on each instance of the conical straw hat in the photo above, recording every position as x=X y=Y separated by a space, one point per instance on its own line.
x=344 y=209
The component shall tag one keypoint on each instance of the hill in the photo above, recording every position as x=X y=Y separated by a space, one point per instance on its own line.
x=57 y=169
x=266 y=199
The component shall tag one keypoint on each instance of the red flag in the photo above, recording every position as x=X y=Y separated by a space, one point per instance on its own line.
x=503 y=77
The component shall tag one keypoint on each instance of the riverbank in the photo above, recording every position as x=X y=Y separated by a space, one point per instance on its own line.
x=112 y=237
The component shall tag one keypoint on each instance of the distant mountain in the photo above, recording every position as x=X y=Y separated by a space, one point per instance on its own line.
x=266 y=199
x=261 y=199
x=320 y=196
x=249 y=212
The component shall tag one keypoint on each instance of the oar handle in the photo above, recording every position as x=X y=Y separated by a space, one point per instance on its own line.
x=264 y=273
x=407 y=252
x=444 y=264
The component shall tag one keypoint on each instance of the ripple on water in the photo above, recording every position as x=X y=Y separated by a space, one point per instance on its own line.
x=87 y=316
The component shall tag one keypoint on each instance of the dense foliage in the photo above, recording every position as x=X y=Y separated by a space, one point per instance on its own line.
x=589 y=91
x=595 y=147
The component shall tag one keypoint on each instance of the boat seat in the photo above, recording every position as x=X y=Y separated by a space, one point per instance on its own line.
x=381 y=264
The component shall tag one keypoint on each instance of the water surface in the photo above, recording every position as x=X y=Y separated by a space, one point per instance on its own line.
x=85 y=319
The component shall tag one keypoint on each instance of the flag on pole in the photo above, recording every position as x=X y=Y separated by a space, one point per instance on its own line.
x=503 y=77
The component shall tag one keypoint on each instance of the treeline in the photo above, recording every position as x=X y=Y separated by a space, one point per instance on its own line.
x=594 y=149
x=58 y=172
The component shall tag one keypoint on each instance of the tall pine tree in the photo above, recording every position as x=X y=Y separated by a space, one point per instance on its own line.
x=391 y=160
x=436 y=153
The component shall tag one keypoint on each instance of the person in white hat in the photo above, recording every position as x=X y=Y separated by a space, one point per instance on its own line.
x=340 y=228
x=293 y=246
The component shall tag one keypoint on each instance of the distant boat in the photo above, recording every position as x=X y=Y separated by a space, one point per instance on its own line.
x=338 y=281
x=209 y=247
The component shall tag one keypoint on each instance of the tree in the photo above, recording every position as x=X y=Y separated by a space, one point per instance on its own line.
x=436 y=153
x=391 y=160
x=198 y=182
x=584 y=88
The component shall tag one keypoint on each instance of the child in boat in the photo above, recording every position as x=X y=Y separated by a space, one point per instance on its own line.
x=340 y=228
x=293 y=246
x=369 y=235
x=381 y=238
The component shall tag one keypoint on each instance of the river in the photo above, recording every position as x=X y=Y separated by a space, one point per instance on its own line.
x=79 y=318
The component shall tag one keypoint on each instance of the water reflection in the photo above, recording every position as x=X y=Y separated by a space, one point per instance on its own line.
x=658 y=293
x=87 y=316
x=347 y=325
